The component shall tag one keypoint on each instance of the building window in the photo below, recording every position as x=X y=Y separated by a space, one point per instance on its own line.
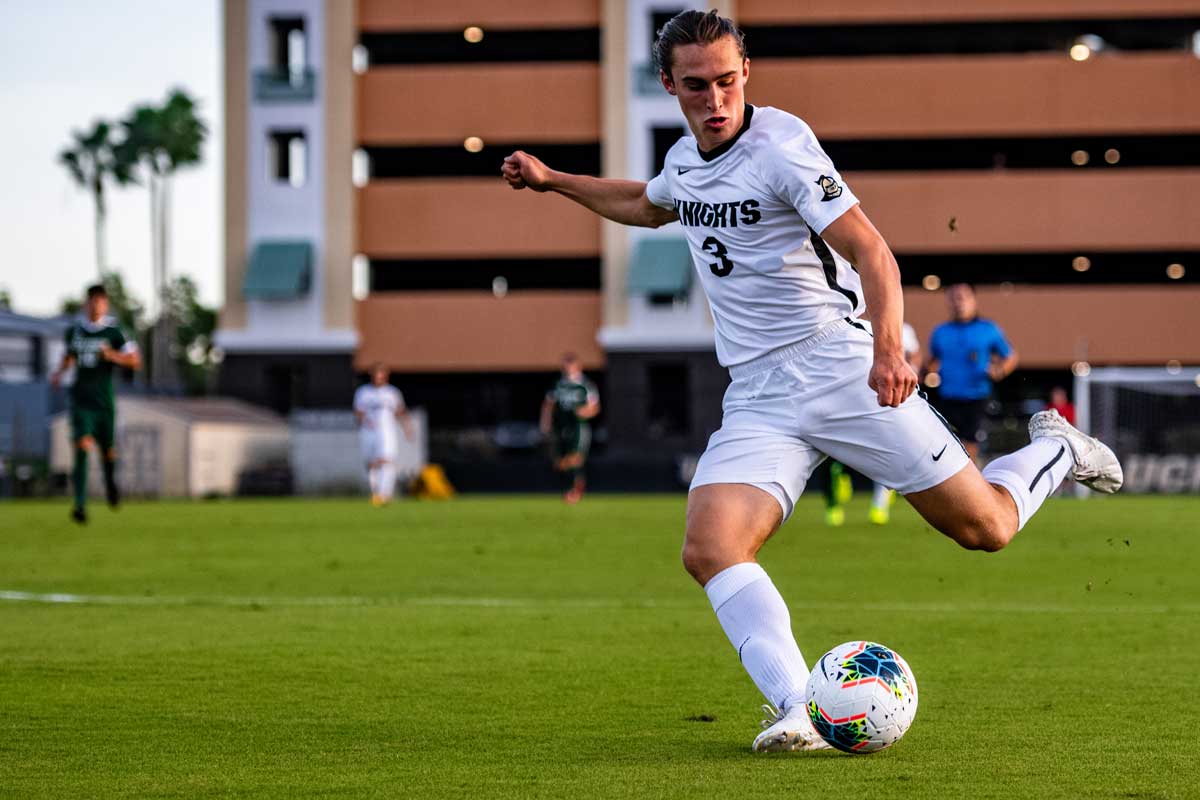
x=288 y=49
x=287 y=76
x=664 y=140
x=287 y=157
x=659 y=18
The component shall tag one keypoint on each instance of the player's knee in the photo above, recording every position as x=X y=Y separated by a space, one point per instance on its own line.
x=988 y=532
x=700 y=561
x=85 y=443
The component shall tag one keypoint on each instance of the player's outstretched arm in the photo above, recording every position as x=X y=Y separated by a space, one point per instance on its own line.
x=860 y=243
x=68 y=360
x=621 y=201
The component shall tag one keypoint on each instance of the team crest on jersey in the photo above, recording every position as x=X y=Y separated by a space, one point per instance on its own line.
x=830 y=187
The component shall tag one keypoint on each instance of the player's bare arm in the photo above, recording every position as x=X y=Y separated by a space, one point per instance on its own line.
x=1001 y=368
x=67 y=362
x=127 y=360
x=620 y=201
x=916 y=360
x=406 y=422
x=588 y=410
x=858 y=241
x=930 y=367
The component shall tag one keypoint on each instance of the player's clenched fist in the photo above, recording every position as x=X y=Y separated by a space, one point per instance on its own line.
x=892 y=379
x=522 y=170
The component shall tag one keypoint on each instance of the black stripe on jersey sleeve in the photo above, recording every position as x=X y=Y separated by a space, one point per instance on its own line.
x=830 y=267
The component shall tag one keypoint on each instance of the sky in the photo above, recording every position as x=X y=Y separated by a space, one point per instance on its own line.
x=64 y=64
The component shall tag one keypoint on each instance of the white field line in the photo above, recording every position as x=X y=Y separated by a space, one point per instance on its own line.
x=519 y=603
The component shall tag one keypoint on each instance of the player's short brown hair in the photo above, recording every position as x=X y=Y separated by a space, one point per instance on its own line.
x=96 y=290
x=693 y=27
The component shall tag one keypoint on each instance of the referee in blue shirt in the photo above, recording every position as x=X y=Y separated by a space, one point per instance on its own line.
x=969 y=354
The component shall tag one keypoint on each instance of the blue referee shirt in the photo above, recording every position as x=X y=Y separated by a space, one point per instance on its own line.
x=965 y=350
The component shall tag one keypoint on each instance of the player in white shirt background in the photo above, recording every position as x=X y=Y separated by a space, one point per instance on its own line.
x=377 y=406
x=773 y=231
x=882 y=496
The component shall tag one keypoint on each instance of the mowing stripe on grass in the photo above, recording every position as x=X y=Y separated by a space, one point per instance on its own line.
x=519 y=603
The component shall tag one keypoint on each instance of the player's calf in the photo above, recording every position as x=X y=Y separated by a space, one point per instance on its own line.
x=969 y=510
x=990 y=531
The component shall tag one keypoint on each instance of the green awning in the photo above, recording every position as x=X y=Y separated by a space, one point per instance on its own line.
x=661 y=266
x=279 y=271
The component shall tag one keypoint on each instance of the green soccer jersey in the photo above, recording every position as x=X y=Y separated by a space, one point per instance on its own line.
x=93 y=386
x=569 y=396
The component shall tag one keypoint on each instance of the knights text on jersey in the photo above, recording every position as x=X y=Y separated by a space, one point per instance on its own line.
x=753 y=211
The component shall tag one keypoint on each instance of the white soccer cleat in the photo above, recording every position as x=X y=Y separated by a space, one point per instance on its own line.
x=1096 y=465
x=788 y=730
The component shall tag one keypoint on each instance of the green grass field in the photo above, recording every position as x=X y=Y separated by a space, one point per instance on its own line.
x=516 y=647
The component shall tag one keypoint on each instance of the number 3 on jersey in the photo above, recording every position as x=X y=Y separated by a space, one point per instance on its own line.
x=723 y=266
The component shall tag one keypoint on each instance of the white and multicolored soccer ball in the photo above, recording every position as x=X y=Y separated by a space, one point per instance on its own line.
x=861 y=697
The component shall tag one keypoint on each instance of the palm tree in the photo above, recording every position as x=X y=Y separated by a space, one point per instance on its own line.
x=163 y=139
x=92 y=160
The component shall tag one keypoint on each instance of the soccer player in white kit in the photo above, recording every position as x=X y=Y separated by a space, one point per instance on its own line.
x=377 y=406
x=774 y=232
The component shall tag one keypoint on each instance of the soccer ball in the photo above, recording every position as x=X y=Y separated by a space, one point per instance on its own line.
x=861 y=697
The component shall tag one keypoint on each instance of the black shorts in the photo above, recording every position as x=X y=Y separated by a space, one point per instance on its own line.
x=570 y=440
x=966 y=417
x=99 y=423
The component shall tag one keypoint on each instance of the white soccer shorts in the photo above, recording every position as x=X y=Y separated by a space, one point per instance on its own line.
x=377 y=445
x=788 y=410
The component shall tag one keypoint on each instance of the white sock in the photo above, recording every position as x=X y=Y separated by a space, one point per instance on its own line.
x=1031 y=474
x=758 y=624
x=880 y=498
x=373 y=479
x=387 y=480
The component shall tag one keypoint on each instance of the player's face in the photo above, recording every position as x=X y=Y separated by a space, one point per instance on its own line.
x=710 y=82
x=572 y=369
x=962 y=302
x=97 y=307
x=379 y=377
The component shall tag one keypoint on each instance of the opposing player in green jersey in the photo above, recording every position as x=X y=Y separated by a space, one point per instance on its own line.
x=566 y=412
x=95 y=345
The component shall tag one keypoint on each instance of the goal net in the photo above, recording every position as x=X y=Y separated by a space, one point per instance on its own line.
x=1151 y=417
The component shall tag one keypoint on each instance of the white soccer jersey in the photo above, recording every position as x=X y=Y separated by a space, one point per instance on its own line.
x=753 y=211
x=378 y=405
x=909 y=340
